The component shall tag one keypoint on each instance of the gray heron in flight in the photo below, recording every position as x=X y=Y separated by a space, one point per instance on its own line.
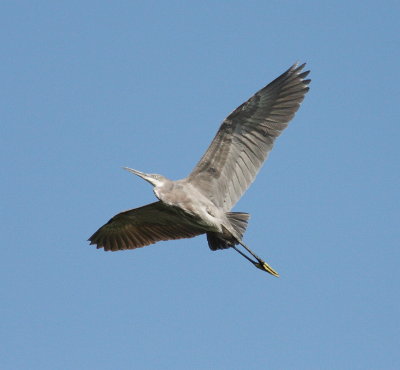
x=202 y=202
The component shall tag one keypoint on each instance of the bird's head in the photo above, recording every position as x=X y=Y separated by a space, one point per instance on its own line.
x=153 y=178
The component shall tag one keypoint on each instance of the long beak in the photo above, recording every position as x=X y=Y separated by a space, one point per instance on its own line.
x=143 y=175
x=136 y=172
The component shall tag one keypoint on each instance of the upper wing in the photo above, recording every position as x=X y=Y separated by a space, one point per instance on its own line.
x=245 y=138
x=142 y=226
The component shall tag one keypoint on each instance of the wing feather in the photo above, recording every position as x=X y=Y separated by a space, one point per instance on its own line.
x=142 y=226
x=246 y=137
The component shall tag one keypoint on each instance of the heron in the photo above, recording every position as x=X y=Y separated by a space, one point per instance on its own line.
x=202 y=202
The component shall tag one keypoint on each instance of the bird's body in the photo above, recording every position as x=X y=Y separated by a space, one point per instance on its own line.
x=202 y=202
x=196 y=209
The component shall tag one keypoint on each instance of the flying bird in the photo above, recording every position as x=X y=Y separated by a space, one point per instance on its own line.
x=201 y=203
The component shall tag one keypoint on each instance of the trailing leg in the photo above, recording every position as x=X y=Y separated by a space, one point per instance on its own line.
x=262 y=265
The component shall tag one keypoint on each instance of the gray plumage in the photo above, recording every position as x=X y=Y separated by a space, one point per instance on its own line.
x=201 y=203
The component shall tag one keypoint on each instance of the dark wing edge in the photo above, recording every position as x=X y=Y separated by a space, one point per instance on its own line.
x=142 y=226
x=246 y=137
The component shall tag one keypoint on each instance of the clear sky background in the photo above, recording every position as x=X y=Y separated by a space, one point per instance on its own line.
x=88 y=87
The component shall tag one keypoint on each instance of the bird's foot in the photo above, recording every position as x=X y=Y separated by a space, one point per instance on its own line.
x=265 y=267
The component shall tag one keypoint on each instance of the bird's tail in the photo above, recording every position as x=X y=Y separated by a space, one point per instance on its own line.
x=239 y=221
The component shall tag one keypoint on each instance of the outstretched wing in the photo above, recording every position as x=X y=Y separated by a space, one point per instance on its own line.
x=142 y=226
x=246 y=137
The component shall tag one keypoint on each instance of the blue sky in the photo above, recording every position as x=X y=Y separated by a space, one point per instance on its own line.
x=91 y=86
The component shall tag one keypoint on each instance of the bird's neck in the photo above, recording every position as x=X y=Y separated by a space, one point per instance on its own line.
x=162 y=189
